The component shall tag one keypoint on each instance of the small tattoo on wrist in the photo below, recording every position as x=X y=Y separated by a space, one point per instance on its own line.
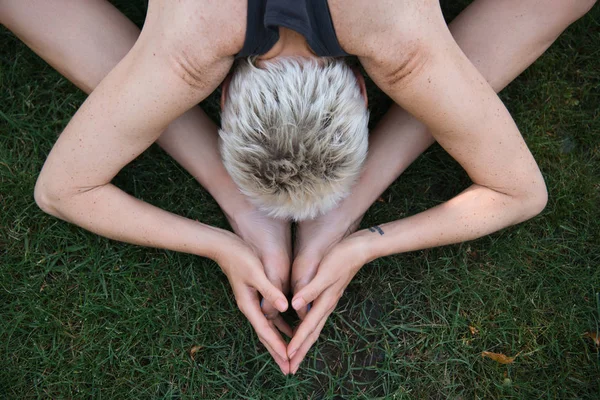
x=376 y=229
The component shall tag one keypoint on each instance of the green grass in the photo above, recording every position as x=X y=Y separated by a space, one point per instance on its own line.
x=83 y=316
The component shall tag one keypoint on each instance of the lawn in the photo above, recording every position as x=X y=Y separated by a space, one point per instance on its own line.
x=87 y=317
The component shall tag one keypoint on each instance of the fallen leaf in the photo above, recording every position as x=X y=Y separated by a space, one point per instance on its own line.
x=594 y=336
x=499 y=357
x=194 y=350
x=474 y=331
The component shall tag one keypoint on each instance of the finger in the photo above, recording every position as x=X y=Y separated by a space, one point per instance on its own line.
x=270 y=293
x=264 y=330
x=277 y=271
x=283 y=326
x=284 y=365
x=277 y=320
x=303 y=311
x=305 y=347
x=310 y=292
x=321 y=310
x=303 y=271
x=268 y=310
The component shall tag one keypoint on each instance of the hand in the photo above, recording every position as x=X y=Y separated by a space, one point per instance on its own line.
x=334 y=274
x=249 y=282
x=271 y=241
x=314 y=239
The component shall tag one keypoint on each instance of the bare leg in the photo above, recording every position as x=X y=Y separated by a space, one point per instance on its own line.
x=501 y=38
x=84 y=40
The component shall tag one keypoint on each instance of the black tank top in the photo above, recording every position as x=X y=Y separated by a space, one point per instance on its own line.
x=310 y=18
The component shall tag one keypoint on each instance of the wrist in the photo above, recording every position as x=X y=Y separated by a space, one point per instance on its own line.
x=218 y=244
x=367 y=244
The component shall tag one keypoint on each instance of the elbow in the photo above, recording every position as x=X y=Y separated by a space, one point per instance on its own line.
x=539 y=202
x=46 y=199
x=535 y=201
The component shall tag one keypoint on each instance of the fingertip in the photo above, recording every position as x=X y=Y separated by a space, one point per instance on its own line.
x=281 y=304
x=284 y=367
x=298 y=303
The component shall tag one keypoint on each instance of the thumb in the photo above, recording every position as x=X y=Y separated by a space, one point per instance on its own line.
x=277 y=271
x=271 y=294
x=310 y=292
x=304 y=270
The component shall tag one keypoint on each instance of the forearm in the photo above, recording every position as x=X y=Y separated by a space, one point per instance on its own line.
x=445 y=91
x=476 y=212
x=110 y=212
x=501 y=39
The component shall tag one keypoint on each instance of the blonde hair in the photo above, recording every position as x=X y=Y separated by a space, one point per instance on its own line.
x=294 y=134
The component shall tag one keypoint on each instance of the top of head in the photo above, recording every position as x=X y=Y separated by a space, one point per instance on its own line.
x=294 y=134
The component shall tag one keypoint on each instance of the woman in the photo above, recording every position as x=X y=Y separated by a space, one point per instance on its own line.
x=97 y=37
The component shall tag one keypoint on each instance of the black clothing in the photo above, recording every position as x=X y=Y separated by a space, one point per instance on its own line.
x=310 y=18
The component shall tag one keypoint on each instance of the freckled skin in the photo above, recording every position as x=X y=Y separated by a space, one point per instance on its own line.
x=187 y=48
x=408 y=51
x=84 y=41
x=456 y=107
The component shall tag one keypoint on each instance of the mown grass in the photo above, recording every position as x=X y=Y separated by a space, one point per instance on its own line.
x=83 y=316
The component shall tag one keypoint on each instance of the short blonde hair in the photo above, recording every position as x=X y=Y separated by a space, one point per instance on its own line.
x=294 y=134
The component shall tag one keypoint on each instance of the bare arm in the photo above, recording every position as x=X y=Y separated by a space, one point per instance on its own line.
x=84 y=41
x=436 y=83
x=126 y=113
x=169 y=69
x=501 y=39
x=422 y=68
x=414 y=59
